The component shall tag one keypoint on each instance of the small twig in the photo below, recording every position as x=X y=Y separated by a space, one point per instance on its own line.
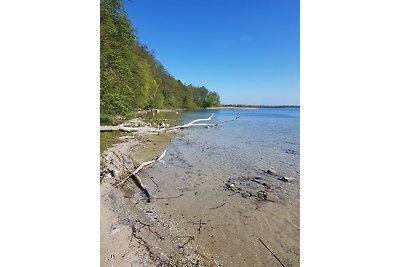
x=187 y=242
x=217 y=206
x=149 y=228
x=271 y=252
x=144 y=224
x=168 y=197
x=154 y=181
x=200 y=226
x=199 y=223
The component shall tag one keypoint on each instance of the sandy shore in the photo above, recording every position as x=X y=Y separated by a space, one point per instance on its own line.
x=122 y=241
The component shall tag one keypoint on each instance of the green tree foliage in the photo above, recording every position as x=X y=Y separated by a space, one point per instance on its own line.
x=131 y=77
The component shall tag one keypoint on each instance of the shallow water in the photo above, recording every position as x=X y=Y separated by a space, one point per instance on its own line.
x=195 y=183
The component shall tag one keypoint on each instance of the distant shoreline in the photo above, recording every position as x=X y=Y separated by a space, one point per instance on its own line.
x=231 y=108
x=252 y=106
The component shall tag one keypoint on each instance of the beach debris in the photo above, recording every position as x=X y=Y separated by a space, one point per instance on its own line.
x=262 y=242
x=217 y=206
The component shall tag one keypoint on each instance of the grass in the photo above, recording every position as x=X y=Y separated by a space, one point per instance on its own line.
x=107 y=139
x=174 y=259
x=106 y=119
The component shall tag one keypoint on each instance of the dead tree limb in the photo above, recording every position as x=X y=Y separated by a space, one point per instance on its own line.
x=121 y=128
x=141 y=166
x=192 y=123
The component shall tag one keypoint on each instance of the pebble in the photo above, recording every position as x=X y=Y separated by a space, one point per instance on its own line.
x=272 y=172
x=286 y=179
x=245 y=194
x=272 y=198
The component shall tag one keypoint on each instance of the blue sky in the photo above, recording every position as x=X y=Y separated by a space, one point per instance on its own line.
x=246 y=50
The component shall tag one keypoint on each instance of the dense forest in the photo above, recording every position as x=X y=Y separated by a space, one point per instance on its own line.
x=130 y=76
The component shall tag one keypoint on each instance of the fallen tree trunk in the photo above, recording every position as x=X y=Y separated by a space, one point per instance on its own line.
x=121 y=128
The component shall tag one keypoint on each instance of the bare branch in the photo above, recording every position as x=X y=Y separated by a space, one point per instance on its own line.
x=141 y=166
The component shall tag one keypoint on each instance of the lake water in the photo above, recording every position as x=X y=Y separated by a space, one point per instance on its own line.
x=215 y=198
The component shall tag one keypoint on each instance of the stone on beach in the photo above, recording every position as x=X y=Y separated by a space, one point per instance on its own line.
x=286 y=179
x=270 y=171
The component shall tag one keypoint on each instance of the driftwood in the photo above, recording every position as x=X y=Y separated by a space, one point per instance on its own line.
x=141 y=166
x=194 y=123
x=121 y=128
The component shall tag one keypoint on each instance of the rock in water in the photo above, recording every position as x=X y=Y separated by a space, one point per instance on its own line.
x=246 y=194
x=286 y=179
x=272 y=172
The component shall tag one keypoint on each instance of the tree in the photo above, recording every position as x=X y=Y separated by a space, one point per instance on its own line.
x=131 y=77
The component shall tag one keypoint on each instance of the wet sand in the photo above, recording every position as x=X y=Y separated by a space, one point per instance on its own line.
x=215 y=225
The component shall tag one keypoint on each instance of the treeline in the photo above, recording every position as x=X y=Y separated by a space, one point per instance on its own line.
x=130 y=76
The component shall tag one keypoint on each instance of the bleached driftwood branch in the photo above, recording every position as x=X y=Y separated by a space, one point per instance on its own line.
x=211 y=124
x=195 y=123
x=141 y=166
x=192 y=123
